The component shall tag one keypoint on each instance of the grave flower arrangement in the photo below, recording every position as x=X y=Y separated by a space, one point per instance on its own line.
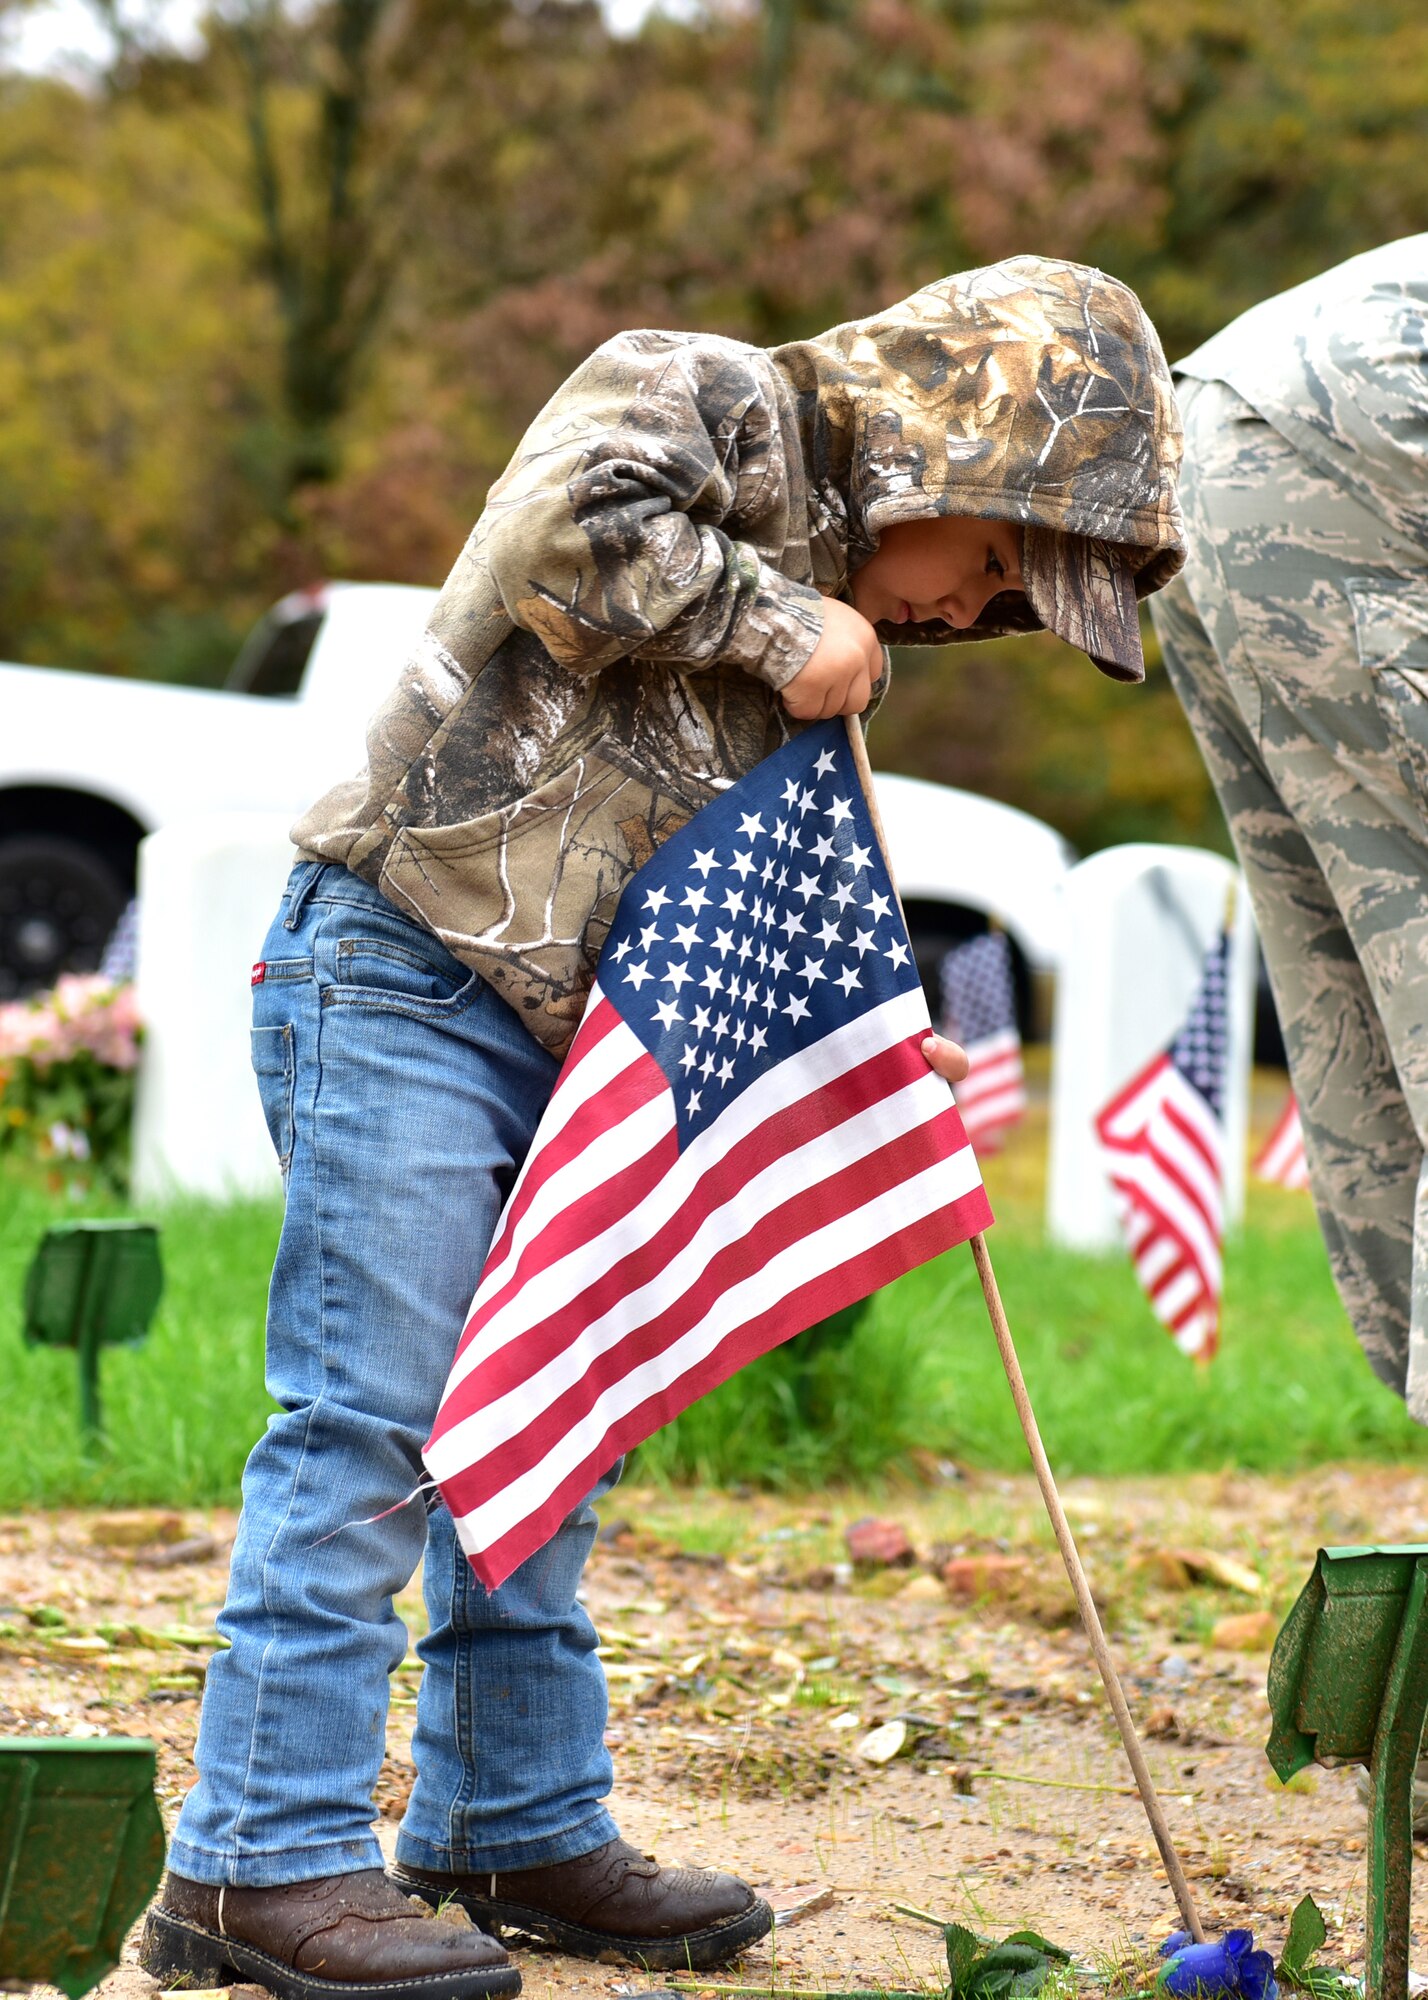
x=67 y=1063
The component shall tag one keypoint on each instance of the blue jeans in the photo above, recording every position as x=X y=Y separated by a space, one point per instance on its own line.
x=402 y=1094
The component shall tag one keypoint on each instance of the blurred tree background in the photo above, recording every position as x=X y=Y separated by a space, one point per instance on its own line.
x=280 y=308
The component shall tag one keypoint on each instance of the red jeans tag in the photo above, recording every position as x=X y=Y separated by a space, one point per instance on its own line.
x=260 y=973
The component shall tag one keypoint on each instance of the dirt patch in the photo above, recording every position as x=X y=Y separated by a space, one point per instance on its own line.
x=750 y=1663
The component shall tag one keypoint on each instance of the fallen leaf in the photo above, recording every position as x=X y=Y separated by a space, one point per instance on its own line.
x=804 y=1903
x=193 y=1549
x=1209 y=1566
x=1246 y=1632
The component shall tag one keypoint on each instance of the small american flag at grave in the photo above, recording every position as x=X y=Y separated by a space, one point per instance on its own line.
x=744 y=1138
x=1164 y=1137
x=979 y=1011
x=1282 y=1161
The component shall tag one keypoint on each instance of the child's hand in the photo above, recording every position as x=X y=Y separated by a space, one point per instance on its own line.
x=837 y=677
x=946 y=1058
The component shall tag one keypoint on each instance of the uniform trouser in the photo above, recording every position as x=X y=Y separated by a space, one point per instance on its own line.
x=1297 y=640
x=401 y=1093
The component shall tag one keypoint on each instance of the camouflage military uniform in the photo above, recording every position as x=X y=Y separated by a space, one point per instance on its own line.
x=648 y=575
x=1297 y=640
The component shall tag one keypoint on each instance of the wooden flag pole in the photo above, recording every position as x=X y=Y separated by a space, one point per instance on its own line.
x=1061 y=1527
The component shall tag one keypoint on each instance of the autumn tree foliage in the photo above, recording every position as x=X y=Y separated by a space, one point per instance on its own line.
x=281 y=308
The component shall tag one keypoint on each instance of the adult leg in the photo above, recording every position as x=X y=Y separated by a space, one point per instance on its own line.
x=1260 y=641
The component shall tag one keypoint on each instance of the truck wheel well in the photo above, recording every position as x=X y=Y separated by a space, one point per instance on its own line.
x=92 y=822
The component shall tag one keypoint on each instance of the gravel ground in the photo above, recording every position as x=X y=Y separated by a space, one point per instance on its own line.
x=750 y=1663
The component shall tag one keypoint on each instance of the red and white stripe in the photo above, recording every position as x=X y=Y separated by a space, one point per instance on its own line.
x=1167 y=1165
x=992 y=1096
x=1283 y=1160
x=628 y=1277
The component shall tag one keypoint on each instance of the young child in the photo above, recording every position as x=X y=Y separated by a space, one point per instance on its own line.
x=698 y=547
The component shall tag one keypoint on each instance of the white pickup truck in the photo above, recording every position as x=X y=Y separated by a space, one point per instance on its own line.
x=89 y=765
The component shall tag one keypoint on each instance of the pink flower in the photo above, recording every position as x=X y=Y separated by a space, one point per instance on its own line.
x=83 y=1013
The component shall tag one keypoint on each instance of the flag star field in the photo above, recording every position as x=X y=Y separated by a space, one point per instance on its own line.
x=766 y=929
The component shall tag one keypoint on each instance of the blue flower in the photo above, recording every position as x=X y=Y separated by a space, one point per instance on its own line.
x=1206 y=1971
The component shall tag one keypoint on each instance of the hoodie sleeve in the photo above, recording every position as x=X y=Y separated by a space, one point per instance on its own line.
x=615 y=531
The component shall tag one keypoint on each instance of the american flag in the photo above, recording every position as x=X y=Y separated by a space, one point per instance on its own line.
x=744 y=1138
x=1282 y=1159
x=979 y=1011
x=1165 y=1138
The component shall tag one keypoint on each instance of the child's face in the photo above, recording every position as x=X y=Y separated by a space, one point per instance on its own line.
x=947 y=568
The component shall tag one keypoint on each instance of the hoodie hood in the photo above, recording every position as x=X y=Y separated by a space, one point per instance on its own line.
x=1031 y=391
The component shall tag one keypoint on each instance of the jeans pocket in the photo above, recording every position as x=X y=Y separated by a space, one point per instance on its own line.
x=1391 y=632
x=275 y=1069
x=381 y=969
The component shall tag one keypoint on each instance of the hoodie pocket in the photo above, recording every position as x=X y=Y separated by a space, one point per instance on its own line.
x=537 y=881
x=1391 y=631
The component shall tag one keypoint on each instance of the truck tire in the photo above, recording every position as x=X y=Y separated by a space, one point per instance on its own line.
x=58 y=903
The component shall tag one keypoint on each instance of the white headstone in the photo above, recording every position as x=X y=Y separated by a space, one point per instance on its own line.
x=208 y=891
x=1139 y=922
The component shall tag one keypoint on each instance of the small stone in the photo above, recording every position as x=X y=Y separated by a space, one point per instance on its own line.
x=878 y=1544
x=1175 y=1667
x=127 y=1982
x=983 y=1576
x=923 y=1589
x=822 y=1576
x=1246 y=1632
x=136 y=1528
x=882 y=1744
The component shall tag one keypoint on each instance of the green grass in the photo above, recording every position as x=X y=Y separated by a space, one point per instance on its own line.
x=1111 y=1392
x=1113 y=1396
x=183 y=1410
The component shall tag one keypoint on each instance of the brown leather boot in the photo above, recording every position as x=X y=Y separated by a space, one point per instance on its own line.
x=614 y=1904
x=339 y=1936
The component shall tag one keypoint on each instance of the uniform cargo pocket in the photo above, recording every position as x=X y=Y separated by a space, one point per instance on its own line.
x=1391 y=631
x=274 y=1067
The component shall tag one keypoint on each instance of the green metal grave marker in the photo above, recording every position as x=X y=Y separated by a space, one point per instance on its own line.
x=81 y=1853
x=93 y=1285
x=1348 y=1683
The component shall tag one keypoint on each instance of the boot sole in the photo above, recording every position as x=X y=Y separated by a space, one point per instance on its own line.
x=175 y=1952
x=692 y=1951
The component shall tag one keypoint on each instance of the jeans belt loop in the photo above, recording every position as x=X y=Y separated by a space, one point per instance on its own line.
x=301 y=896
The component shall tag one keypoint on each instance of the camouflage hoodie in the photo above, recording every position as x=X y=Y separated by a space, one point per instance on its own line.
x=648 y=573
